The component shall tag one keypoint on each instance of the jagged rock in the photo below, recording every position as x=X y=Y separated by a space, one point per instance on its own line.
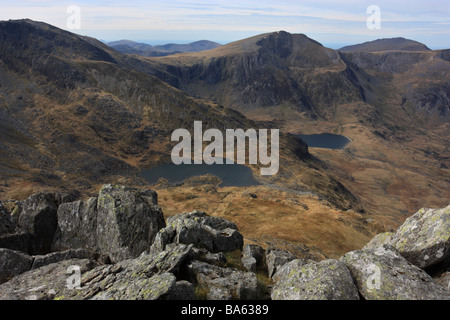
x=379 y=240
x=256 y=252
x=276 y=258
x=16 y=241
x=383 y=274
x=326 y=280
x=38 y=218
x=424 y=238
x=208 y=257
x=77 y=225
x=43 y=283
x=127 y=221
x=43 y=260
x=197 y=228
x=6 y=225
x=146 y=277
x=216 y=293
x=157 y=287
x=13 y=263
x=289 y=267
x=241 y=285
x=122 y=222
x=249 y=263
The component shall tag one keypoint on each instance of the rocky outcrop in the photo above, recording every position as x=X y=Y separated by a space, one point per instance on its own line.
x=224 y=283
x=253 y=258
x=5 y=220
x=13 y=263
x=379 y=240
x=197 y=256
x=276 y=258
x=212 y=233
x=327 y=280
x=121 y=223
x=38 y=219
x=31 y=226
x=424 y=238
x=43 y=283
x=383 y=274
x=130 y=220
x=77 y=225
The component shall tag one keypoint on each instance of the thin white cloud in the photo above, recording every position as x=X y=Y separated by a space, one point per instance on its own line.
x=345 y=18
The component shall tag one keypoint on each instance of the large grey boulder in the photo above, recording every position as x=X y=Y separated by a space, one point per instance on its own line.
x=424 y=238
x=121 y=223
x=379 y=240
x=147 y=277
x=276 y=258
x=13 y=263
x=156 y=287
x=383 y=274
x=6 y=225
x=204 y=255
x=223 y=283
x=290 y=267
x=212 y=233
x=326 y=280
x=127 y=221
x=43 y=283
x=38 y=218
x=77 y=225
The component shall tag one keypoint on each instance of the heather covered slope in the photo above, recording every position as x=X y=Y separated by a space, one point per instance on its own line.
x=394 y=105
x=79 y=114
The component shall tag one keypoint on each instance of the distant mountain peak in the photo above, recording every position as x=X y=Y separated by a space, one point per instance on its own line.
x=386 y=44
x=143 y=49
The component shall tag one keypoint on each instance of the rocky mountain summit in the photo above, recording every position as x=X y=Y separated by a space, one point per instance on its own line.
x=385 y=45
x=119 y=246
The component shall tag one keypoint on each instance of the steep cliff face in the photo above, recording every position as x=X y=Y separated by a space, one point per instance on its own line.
x=266 y=71
x=77 y=113
x=281 y=70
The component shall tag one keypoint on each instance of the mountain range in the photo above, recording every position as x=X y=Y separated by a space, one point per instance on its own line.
x=146 y=50
x=75 y=114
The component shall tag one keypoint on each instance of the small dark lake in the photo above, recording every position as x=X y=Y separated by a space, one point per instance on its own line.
x=232 y=175
x=325 y=140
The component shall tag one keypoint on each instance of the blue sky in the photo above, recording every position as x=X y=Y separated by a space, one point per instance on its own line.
x=333 y=23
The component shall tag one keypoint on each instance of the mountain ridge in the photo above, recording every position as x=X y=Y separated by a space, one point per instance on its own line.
x=146 y=50
x=386 y=44
x=93 y=117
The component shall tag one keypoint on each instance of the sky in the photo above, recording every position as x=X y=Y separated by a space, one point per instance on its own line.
x=332 y=23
